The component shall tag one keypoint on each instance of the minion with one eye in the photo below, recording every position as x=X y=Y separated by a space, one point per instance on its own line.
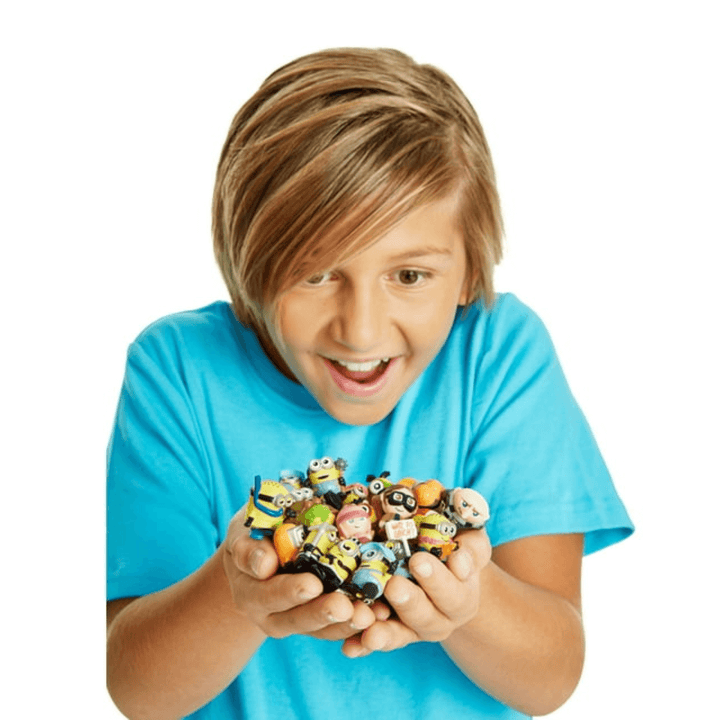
x=337 y=563
x=435 y=534
x=326 y=478
x=267 y=507
x=377 y=565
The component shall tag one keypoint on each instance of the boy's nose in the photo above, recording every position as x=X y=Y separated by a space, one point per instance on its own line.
x=361 y=320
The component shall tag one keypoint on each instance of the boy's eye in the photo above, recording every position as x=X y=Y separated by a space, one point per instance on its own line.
x=319 y=279
x=410 y=277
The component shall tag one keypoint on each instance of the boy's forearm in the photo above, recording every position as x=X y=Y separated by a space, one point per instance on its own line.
x=524 y=647
x=171 y=652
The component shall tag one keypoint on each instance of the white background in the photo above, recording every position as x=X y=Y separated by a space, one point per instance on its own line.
x=603 y=122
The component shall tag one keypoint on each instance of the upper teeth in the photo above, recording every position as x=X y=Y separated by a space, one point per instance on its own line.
x=362 y=367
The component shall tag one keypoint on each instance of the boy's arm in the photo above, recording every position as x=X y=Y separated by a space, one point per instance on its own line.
x=512 y=624
x=526 y=644
x=171 y=652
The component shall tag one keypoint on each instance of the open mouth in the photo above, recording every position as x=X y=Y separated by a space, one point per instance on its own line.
x=363 y=373
x=360 y=379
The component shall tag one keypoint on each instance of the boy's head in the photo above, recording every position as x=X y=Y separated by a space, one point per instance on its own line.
x=355 y=208
x=333 y=150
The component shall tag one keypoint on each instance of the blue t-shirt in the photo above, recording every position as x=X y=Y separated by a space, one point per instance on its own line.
x=203 y=410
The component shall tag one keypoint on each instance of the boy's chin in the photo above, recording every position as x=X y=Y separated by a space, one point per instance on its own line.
x=350 y=413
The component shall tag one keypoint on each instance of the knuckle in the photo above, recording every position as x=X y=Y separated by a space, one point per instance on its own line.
x=457 y=607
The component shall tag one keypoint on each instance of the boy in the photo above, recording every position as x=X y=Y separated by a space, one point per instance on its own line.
x=356 y=224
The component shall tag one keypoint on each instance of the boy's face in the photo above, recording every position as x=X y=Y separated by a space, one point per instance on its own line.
x=358 y=336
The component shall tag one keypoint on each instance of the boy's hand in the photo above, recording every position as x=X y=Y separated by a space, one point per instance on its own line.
x=447 y=597
x=282 y=605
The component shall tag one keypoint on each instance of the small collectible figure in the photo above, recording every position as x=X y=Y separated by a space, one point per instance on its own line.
x=320 y=538
x=378 y=483
x=268 y=505
x=293 y=479
x=435 y=534
x=314 y=514
x=325 y=477
x=430 y=494
x=397 y=503
x=467 y=508
x=355 y=493
x=337 y=563
x=288 y=539
x=377 y=565
x=355 y=520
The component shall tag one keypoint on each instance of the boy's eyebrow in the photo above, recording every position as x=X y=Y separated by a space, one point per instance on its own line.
x=423 y=252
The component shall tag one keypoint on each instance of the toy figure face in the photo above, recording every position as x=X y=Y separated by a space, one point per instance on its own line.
x=352 y=524
x=359 y=335
x=399 y=501
x=323 y=469
x=356 y=526
x=470 y=506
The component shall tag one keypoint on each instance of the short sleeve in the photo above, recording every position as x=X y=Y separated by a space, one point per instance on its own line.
x=533 y=454
x=159 y=504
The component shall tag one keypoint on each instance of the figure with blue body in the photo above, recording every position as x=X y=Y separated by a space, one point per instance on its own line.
x=326 y=478
x=377 y=565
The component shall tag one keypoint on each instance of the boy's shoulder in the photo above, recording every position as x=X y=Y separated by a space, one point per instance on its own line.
x=507 y=316
x=506 y=338
x=190 y=333
x=216 y=316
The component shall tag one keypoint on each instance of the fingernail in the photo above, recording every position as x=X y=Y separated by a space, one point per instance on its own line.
x=256 y=559
x=358 y=651
x=401 y=599
x=422 y=569
x=304 y=593
x=463 y=564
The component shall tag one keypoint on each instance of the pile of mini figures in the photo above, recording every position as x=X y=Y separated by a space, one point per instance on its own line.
x=356 y=537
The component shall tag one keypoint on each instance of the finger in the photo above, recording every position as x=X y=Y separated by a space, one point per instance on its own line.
x=380 y=636
x=381 y=610
x=311 y=617
x=419 y=611
x=253 y=557
x=477 y=544
x=277 y=594
x=361 y=619
x=353 y=647
x=453 y=588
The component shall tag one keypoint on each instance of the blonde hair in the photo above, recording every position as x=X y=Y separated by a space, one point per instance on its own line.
x=331 y=151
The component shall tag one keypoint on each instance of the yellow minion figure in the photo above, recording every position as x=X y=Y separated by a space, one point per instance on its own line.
x=435 y=534
x=269 y=501
x=338 y=563
x=326 y=477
